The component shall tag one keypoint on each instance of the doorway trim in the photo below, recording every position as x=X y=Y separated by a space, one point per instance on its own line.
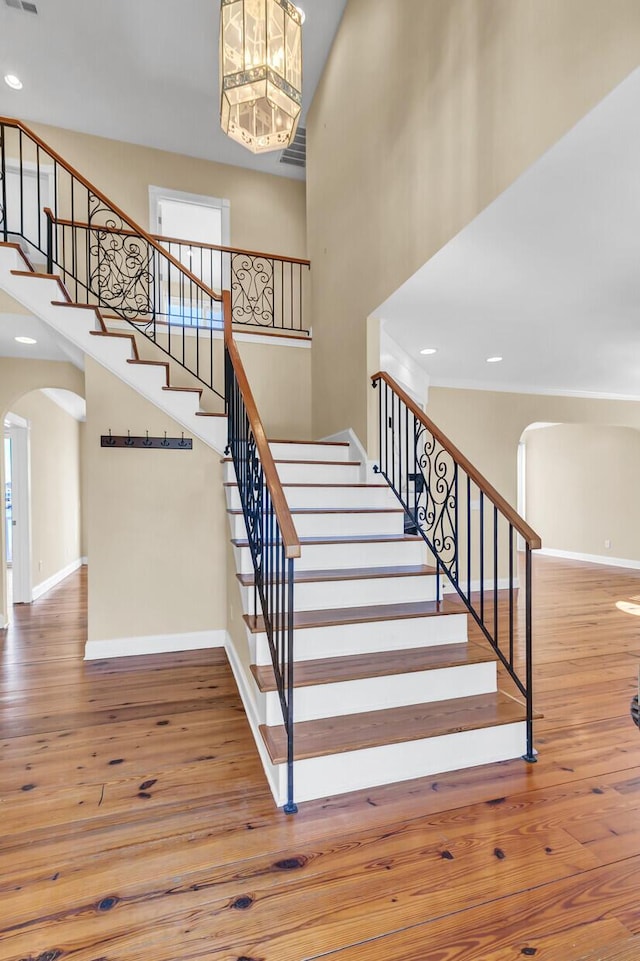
x=19 y=433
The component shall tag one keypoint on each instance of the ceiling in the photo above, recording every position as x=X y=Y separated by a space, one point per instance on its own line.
x=548 y=276
x=48 y=346
x=142 y=71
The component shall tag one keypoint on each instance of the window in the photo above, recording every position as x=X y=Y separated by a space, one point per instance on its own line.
x=193 y=226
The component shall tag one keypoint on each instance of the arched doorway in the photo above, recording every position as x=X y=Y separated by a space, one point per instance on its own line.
x=42 y=531
x=577 y=488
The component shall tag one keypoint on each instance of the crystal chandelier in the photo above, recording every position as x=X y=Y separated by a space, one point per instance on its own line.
x=260 y=72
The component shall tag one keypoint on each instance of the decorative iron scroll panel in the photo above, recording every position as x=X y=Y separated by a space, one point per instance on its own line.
x=473 y=544
x=121 y=266
x=274 y=572
x=252 y=290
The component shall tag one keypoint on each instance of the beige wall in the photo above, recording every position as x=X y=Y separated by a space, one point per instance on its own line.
x=54 y=447
x=582 y=488
x=487 y=425
x=427 y=110
x=17 y=378
x=280 y=378
x=156 y=523
x=10 y=306
x=267 y=212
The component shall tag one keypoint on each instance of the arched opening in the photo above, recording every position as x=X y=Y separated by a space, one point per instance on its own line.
x=576 y=487
x=42 y=535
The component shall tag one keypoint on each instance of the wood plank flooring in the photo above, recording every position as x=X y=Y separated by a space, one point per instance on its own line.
x=136 y=822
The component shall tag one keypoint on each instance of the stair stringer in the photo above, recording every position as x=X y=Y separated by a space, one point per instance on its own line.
x=43 y=297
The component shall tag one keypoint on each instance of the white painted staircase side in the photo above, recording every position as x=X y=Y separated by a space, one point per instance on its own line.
x=44 y=296
x=353 y=600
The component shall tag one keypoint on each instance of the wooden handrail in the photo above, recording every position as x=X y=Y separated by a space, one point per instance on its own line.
x=137 y=230
x=174 y=240
x=532 y=539
x=285 y=521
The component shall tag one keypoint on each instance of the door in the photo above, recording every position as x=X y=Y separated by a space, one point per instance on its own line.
x=20 y=510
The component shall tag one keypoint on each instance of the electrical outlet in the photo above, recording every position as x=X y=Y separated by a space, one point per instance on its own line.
x=39 y=565
x=607 y=544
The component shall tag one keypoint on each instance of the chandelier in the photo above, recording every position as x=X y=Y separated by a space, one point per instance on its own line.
x=260 y=72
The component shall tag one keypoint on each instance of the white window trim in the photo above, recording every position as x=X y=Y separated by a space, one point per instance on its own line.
x=164 y=193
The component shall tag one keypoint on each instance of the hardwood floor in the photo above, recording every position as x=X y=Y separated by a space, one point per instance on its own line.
x=136 y=822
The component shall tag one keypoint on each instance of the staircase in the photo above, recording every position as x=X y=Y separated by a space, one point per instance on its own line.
x=85 y=326
x=361 y=671
x=387 y=685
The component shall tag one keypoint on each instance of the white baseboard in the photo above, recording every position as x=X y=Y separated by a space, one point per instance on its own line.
x=591 y=558
x=4 y=623
x=56 y=578
x=154 y=644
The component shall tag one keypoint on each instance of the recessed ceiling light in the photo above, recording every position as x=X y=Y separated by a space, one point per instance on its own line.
x=12 y=81
x=429 y=350
x=303 y=15
x=494 y=360
x=25 y=340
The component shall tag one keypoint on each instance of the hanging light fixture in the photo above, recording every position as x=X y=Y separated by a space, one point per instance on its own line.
x=260 y=72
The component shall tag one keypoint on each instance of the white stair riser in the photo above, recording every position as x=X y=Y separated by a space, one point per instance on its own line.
x=325 y=497
x=380 y=693
x=355 y=770
x=363 y=592
x=337 y=556
x=308 y=473
x=373 y=637
x=335 y=525
x=313 y=452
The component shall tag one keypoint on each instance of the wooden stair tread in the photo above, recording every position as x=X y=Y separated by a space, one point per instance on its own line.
x=206 y=413
x=361 y=615
x=186 y=390
x=337 y=735
x=314 y=443
x=351 y=574
x=317 y=463
x=346 y=539
x=343 y=486
x=334 y=510
x=332 y=670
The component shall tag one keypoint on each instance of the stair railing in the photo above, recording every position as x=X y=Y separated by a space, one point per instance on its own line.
x=267 y=291
x=104 y=257
x=272 y=537
x=471 y=531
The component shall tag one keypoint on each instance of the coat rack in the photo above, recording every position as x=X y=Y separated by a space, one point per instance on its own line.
x=146 y=442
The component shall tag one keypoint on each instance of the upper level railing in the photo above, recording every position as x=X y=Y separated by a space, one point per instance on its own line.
x=103 y=256
x=469 y=527
x=267 y=291
x=271 y=533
